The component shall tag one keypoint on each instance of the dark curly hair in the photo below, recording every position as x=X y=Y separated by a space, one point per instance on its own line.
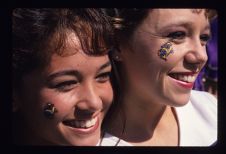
x=38 y=33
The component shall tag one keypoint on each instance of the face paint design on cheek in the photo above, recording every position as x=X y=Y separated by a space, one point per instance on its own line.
x=165 y=50
x=49 y=110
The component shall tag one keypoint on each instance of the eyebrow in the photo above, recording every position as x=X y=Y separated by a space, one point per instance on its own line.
x=108 y=63
x=64 y=72
x=73 y=72
x=183 y=24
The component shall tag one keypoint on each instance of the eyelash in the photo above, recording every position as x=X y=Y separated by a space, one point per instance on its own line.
x=66 y=86
x=205 y=37
x=180 y=35
x=176 y=35
x=103 y=77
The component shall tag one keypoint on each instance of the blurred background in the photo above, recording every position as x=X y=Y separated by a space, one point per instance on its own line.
x=207 y=79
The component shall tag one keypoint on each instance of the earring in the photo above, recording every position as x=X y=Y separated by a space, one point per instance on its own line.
x=117 y=57
x=49 y=110
x=165 y=50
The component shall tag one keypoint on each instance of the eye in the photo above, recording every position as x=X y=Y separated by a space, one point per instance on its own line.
x=66 y=85
x=103 y=77
x=205 y=38
x=178 y=35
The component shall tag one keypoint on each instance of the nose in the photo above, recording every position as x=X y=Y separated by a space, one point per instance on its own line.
x=89 y=99
x=196 y=52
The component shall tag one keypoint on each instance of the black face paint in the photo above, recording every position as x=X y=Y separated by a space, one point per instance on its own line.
x=49 y=110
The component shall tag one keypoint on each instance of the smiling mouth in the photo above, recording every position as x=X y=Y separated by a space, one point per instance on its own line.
x=189 y=78
x=81 y=123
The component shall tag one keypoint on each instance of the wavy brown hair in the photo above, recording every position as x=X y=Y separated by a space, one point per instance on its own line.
x=39 y=33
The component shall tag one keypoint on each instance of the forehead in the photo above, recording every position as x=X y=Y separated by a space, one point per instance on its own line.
x=161 y=17
x=177 y=12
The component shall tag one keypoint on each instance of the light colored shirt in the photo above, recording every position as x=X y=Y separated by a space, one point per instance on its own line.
x=197 y=122
x=110 y=140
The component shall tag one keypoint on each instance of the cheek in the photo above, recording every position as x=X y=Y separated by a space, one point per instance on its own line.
x=174 y=58
x=63 y=102
x=106 y=94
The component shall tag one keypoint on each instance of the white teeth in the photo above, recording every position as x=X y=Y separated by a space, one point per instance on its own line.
x=191 y=78
x=88 y=123
x=85 y=124
x=186 y=78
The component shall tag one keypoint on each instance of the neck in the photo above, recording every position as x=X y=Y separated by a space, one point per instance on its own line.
x=145 y=121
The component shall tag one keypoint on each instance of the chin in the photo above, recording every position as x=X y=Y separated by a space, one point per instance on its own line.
x=180 y=100
x=86 y=142
x=77 y=136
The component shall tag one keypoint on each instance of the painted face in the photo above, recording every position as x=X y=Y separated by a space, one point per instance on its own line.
x=170 y=78
x=79 y=88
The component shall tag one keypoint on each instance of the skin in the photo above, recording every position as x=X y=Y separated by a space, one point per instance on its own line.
x=150 y=89
x=87 y=94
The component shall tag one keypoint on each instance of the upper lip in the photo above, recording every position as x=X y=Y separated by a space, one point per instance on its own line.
x=185 y=72
x=188 y=77
x=85 y=114
x=80 y=115
x=80 y=123
x=80 y=119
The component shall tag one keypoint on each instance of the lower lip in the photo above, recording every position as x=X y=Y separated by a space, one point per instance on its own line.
x=85 y=131
x=186 y=85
